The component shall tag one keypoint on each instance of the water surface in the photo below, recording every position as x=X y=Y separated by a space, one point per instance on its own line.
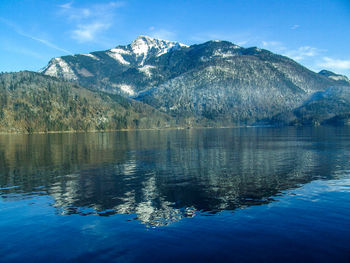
x=244 y=195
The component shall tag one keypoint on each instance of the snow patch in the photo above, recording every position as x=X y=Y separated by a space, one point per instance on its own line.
x=91 y=56
x=119 y=51
x=117 y=55
x=143 y=44
x=339 y=78
x=127 y=89
x=223 y=54
x=59 y=67
x=147 y=70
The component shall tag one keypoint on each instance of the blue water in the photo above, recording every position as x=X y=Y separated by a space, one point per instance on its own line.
x=199 y=195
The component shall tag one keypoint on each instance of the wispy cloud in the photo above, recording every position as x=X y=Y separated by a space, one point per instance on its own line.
x=162 y=33
x=13 y=48
x=66 y=6
x=237 y=38
x=294 y=27
x=46 y=43
x=336 y=64
x=89 y=22
x=271 y=43
x=88 y=32
x=303 y=53
x=21 y=32
x=277 y=46
x=299 y=54
x=312 y=57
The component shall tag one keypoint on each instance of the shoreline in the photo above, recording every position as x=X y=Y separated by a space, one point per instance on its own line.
x=140 y=129
x=161 y=129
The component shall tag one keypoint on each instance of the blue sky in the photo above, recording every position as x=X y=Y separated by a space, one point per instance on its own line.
x=315 y=33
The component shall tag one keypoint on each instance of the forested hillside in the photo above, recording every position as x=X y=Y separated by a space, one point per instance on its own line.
x=32 y=102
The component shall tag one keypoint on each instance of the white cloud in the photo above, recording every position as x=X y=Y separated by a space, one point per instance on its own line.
x=311 y=57
x=94 y=11
x=241 y=43
x=337 y=64
x=300 y=54
x=294 y=27
x=303 y=52
x=89 y=22
x=88 y=32
x=275 y=46
x=271 y=43
x=162 y=34
x=66 y=6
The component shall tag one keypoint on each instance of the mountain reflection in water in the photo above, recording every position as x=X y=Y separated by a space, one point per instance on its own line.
x=162 y=176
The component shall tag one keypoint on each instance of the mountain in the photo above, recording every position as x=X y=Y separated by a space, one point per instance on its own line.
x=124 y=70
x=224 y=84
x=339 y=78
x=31 y=102
x=216 y=83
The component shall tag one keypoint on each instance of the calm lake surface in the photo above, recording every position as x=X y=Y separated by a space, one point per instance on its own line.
x=198 y=195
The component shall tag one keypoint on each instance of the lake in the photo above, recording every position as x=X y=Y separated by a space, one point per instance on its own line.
x=194 y=195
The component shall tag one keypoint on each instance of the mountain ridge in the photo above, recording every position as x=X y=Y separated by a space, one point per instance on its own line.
x=216 y=83
x=337 y=77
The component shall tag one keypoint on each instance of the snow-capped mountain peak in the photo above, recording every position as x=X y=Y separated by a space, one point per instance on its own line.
x=138 y=52
x=143 y=45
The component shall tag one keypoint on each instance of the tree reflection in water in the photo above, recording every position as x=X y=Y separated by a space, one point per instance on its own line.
x=163 y=176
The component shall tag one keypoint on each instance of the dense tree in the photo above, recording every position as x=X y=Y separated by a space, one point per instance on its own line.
x=31 y=102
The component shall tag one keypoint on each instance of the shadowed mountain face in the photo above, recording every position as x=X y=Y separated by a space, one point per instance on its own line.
x=331 y=106
x=212 y=84
x=162 y=176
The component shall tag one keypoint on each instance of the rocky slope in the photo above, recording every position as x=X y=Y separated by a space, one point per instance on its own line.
x=216 y=83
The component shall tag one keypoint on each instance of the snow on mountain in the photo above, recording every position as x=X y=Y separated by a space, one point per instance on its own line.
x=91 y=56
x=147 y=70
x=144 y=44
x=127 y=89
x=143 y=48
x=339 y=77
x=57 y=67
x=137 y=53
x=117 y=54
